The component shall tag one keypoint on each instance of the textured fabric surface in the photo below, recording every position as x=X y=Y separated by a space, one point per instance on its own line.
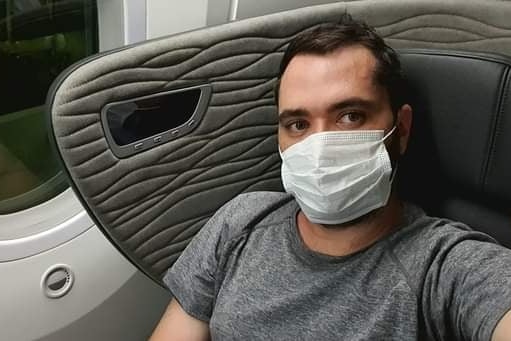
x=151 y=204
x=250 y=275
x=443 y=24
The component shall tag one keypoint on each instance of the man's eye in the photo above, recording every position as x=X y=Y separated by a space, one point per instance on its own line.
x=297 y=126
x=351 y=117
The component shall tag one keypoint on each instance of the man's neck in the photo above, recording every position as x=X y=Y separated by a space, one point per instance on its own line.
x=348 y=239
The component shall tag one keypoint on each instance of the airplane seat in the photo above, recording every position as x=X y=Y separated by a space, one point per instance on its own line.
x=458 y=163
x=156 y=136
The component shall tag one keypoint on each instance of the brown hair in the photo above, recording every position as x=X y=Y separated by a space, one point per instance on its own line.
x=327 y=38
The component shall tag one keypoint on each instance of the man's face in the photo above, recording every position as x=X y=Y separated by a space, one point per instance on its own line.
x=334 y=92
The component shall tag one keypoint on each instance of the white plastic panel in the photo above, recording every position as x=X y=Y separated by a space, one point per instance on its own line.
x=172 y=16
x=109 y=298
x=218 y=12
x=40 y=228
x=101 y=274
x=250 y=8
x=121 y=22
x=135 y=24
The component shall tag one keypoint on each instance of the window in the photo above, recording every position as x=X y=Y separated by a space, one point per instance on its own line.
x=38 y=39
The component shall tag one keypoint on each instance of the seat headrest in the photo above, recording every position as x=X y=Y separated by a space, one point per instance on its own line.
x=458 y=163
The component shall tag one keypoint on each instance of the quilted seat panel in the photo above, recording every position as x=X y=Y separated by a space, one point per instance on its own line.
x=151 y=203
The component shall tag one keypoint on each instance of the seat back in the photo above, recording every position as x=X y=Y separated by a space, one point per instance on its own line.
x=155 y=137
x=458 y=164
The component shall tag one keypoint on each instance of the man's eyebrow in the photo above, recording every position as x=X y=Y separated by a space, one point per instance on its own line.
x=292 y=113
x=354 y=102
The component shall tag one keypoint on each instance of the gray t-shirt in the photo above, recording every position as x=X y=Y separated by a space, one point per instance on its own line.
x=250 y=275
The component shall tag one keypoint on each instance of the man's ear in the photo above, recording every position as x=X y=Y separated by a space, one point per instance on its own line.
x=404 y=124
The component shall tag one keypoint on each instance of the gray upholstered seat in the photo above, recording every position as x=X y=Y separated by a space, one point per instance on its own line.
x=151 y=198
x=458 y=163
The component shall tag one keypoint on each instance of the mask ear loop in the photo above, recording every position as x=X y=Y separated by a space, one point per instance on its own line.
x=393 y=174
x=394 y=169
x=389 y=133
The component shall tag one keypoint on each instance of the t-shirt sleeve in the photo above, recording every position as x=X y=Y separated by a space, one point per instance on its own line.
x=192 y=278
x=467 y=290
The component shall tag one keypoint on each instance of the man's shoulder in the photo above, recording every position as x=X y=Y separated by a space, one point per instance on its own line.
x=262 y=198
x=252 y=209
x=246 y=205
x=425 y=232
x=425 y=240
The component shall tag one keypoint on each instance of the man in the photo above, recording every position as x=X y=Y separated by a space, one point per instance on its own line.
x=339 y=257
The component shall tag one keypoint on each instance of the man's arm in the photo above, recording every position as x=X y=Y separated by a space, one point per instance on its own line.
x=503 y=330
x=177 y=325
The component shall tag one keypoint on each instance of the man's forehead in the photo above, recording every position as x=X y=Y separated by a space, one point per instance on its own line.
x=344 y=73
x=350 y=70
x=352 y=58
x=317 y=82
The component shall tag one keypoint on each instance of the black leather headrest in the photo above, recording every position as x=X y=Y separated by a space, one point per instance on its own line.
x=458 y=164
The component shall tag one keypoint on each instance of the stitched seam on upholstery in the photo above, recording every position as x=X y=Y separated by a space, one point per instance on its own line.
x=203 y=48
x=447 y=13
x=446 y=28
x=450 y=41
x=504 y=88
x=173 y=204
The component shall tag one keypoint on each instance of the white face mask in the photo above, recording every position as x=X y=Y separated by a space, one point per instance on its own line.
x=338 y=176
